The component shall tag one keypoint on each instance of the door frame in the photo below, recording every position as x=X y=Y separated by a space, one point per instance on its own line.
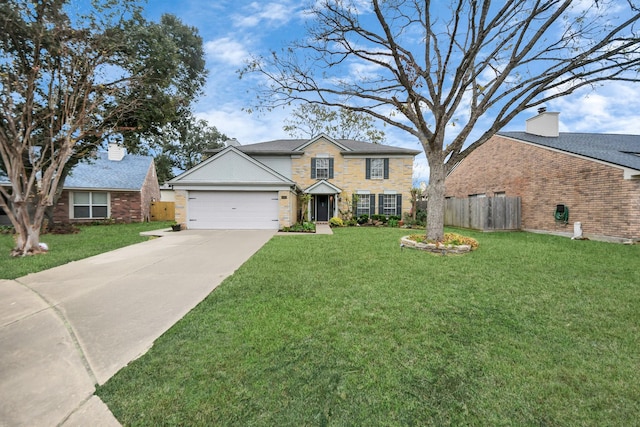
x=318 y=198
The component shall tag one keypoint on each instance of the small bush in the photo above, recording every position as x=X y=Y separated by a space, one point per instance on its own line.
x=6 y=229
x=393 y=222
x=305 y=227
x=363 y=219
x=381 y=218
x=336 y=222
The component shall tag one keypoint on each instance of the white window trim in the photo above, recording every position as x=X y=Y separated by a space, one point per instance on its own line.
x=379 y=171
x=318 y=169
x=72 y=205
x=361 y=198
x=386 y=206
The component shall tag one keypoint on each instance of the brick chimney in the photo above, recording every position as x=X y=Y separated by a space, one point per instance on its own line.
x=116 y=152
x=544 y=124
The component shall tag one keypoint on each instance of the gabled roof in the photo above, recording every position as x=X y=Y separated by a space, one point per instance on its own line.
x=323 y=187
x=322 y=136
x=104 y=174
x=231 y=167
x=347 y=146
x=620 y=150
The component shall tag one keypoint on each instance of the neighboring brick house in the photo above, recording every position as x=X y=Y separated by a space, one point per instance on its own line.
x=596 y=176
x=258 y=185
x=114 y=185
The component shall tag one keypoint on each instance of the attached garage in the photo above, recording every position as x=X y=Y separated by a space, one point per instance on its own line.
x=234 y=191
x=233 y=210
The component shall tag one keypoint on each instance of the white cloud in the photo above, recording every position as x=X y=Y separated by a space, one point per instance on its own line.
x=227 y=50
x=612 y=108
x=246 y=128
x=272 y=14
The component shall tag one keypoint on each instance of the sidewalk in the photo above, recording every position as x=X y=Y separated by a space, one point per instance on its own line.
x=66 y=329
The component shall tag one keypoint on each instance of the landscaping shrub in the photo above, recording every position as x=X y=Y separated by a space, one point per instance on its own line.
x=336 y=222
x=381 y=218
x=449 y=239
x=363 y=219
x=304 y=227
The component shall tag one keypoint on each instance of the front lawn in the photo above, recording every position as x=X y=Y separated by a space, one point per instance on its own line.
x=64 y=248
x=351 y=330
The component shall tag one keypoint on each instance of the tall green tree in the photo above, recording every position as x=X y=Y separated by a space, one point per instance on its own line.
x=429 y=65
x=309 y=120
x=69 y=81
x=183 y=144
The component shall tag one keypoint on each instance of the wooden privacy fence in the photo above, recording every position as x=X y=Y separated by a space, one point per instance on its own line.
x=483 y=213
x=163 y=211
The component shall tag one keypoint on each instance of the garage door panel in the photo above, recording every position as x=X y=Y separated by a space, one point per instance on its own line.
x=233 y=210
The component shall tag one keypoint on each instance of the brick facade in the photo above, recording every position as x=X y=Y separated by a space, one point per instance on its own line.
x=350 y=173
x=125 y=206
x=597 y=195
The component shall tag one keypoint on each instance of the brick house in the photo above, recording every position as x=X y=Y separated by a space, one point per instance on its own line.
x=595 y=176
x=114 y=185
x=258 y=185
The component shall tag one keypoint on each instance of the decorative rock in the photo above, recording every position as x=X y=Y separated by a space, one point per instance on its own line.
x=437 y=248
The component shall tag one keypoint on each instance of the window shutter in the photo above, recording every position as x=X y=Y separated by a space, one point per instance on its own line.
x=399 y=205
x=355 y=204
x=372 y=204
x=331 y=168
x=313 y=167
x=381 y=204
x=386 y=168
x=368 y=166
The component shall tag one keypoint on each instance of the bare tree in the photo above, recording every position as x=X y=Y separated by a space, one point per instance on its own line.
x=309 y=120
x=431 y=65
x=66 y=83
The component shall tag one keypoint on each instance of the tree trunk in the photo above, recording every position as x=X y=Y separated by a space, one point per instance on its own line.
x=435 y=200
x=28 y=224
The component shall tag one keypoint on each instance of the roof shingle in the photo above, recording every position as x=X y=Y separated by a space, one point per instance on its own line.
x=102 y=173
x=621 y=150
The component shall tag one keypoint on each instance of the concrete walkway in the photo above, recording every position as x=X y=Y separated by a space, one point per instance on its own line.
x=64 y=330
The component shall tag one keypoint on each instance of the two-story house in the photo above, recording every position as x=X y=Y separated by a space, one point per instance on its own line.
x=258 y=186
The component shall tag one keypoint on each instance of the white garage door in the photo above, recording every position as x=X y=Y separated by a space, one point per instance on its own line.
x=233 y=210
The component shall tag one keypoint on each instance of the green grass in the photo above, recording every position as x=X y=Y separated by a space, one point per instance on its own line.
x=64 y=248
x=350 y=330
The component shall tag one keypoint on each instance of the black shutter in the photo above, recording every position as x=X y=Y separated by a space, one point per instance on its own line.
x=313 y=167
x=368 y=172
x=331 y=168
x=381 y=204
x=354 y=201
x=372 y=204
x=399 y=205
x=386 y=168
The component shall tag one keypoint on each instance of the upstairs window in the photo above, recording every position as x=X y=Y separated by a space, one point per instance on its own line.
x=322 y=168
x=377 y=169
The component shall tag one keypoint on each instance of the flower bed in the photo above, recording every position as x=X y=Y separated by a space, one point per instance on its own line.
x=453 y=244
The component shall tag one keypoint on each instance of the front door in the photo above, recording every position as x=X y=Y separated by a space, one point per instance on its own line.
x=322 y=208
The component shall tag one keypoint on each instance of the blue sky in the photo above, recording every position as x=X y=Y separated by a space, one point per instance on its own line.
x=234 y=30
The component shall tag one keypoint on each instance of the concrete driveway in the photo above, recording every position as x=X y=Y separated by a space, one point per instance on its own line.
x=66 y=329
